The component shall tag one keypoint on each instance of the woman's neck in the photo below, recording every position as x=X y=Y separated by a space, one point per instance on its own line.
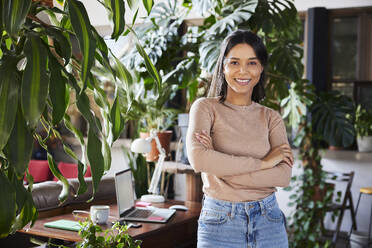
x=241 y=100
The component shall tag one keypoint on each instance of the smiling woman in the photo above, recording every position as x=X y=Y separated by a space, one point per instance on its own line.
x=241 y=149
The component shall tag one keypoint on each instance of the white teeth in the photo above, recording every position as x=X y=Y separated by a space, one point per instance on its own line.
x=243 y=80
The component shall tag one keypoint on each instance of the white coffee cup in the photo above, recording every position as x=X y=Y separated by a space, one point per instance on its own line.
x=99 y=214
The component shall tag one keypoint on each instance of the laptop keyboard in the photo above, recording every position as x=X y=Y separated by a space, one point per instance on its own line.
x=140 y=213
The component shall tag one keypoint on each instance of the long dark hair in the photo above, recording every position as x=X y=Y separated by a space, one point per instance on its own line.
x=219 y=84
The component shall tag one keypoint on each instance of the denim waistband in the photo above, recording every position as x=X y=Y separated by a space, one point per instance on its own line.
x=262 y=205
x=267 y=200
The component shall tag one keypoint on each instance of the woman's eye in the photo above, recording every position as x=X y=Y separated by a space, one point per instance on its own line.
x=233 y=63
x=252 y=63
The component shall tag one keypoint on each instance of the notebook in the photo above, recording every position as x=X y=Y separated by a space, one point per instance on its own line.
x=69 y=225
x=126 y=202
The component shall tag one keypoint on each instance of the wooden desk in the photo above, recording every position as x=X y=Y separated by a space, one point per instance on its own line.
x=194 y=184
x=179 y=231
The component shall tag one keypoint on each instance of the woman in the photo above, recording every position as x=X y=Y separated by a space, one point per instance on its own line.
x=241 y=149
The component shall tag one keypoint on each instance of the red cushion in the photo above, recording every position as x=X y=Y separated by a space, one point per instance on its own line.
x=70 y=170
x=39 y=169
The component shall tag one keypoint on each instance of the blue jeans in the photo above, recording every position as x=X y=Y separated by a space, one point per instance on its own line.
x=258 y=224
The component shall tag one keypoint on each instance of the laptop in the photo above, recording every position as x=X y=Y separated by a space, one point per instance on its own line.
x=126 y=202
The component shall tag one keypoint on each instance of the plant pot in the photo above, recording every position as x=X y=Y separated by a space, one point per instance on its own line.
x=364 y=143
x=164 y=138
x=183 y=123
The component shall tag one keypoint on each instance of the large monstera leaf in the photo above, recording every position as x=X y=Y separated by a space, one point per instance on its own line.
x=333 y=118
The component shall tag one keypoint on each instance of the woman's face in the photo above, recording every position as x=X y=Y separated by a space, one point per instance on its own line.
x=242 y=71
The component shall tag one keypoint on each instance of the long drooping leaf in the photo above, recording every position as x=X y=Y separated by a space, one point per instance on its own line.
x=84 y=108
x=118 y=10
x=149 y=65
x=18 y=150
x=96 y=160
x=14 y=13
x=61 y=43
x=82 y=167
x=25 y=204
x=58 y=92
x=117 y=120
x=9 y=85
x=35 y=82
x=148 y=5
x=7 y=205
x=82 y=27
x=65 y=186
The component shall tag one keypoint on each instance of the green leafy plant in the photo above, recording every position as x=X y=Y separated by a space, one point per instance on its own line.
x=38 y=71
x=309 y=195
x=332 y=114
x=116 y=236
x=139 y=168
x=363 y=121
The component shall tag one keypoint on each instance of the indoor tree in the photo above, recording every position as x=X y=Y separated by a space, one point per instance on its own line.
x=38 y=71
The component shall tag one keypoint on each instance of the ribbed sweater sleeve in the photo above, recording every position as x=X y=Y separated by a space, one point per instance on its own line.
x=210 y=161
x=279 y=175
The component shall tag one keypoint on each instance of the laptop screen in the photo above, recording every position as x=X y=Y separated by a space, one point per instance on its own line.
x=124 y=190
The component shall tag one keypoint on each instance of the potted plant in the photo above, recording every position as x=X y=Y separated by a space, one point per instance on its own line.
x=38 y=70
x=116 y=236
x=363 y=128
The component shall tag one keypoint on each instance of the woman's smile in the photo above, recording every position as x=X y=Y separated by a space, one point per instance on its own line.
x=242 y=81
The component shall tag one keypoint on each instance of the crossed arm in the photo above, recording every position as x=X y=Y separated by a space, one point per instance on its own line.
x=274 y=170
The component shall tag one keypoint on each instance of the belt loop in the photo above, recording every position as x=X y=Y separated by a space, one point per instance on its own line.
x=262 y=206
x=232 y=210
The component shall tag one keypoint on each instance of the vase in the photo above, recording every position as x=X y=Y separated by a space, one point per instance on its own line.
x=364 y=143
x=165 y=139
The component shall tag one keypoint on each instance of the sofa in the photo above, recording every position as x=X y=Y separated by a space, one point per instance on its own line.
x=47 y=188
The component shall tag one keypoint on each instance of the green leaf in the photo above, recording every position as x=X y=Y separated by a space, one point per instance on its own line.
x=7 y=205
x=81 y=172
x=96 y=159
x=82 y=27
x=84 y=108
x=61 y=43
x=9 y=85
x=18 y=150
x=58 y=92
x=117 y=120
x=118 y=10
x=148 y=5
x=25 y=204
x=65 y=186
x=14 y=14
x=132 y=4
x=35 y=82
x=149 y=65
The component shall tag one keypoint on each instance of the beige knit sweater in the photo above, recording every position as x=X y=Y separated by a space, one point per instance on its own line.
x=242 y=136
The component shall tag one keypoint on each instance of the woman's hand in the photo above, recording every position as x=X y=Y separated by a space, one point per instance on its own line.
x=204 y=139
x=277 y=155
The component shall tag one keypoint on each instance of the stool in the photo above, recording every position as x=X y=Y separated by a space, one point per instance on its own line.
x=366 y=191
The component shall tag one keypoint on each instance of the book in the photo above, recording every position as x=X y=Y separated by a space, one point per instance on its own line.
x=69 y=225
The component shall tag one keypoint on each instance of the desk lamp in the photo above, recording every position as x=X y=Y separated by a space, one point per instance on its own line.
x=142 y=145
